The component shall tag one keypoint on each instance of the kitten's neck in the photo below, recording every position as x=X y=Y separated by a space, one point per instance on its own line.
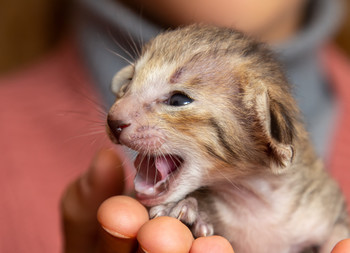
x=250 y=192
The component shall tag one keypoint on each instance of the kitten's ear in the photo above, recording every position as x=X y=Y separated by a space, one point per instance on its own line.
x=278 y=125
x=121 y=79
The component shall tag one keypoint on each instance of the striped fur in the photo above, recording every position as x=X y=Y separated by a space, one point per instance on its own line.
x=241 y=139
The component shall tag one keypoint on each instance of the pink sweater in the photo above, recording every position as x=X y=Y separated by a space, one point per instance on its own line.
x=46 y=118
x=48 y=134
x=338 y=68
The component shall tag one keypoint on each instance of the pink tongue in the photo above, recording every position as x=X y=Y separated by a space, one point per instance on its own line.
x=154 y=169
x=165 y=165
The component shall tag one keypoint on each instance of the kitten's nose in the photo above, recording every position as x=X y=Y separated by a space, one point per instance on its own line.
x=116 y=127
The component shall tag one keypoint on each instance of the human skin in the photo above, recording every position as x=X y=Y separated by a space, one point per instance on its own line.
x=271 y=20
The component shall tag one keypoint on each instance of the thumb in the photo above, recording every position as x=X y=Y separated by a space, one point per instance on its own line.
x=82 y=198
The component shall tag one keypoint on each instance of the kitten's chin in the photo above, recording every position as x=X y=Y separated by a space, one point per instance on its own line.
x=155 y=176
x=150 y=201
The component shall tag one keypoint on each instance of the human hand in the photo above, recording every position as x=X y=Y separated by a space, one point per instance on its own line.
x=342 y=247
x=122 y=223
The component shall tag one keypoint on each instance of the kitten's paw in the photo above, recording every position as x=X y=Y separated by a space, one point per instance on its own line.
x=201 y=227
x=161 y=210
x=187 y=212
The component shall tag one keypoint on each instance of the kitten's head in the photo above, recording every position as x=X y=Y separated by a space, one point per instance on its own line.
x=202 y=105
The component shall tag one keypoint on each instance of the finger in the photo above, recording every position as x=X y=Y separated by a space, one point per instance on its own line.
x=211 y=244
x=82 y=198
x=165 y=234
x=121 y=218
x=342 y=247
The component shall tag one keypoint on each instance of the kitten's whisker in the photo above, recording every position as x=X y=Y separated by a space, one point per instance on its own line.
x=140 y=29
x=120 y=46
x=122 y=57
x=171 y=157
x=156 y=172
x=84 y=135
x=100 y=107
x=228 y=179
x=148 y=161
x=132 y=153
x=164 y=156
x=142 y=159
x=134 y=46
x=92 y=121
x=96 y=128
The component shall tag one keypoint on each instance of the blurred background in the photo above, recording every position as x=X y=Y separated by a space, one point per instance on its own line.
x=343 y=37
x=30 y=28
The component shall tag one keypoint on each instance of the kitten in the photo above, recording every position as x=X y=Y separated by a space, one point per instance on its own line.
x=221 y=145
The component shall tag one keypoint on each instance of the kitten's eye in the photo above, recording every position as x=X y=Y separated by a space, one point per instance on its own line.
x=179 y=99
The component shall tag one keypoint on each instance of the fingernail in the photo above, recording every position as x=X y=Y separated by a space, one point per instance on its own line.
x=141 y=250
x=114 y=242
x=116 y=234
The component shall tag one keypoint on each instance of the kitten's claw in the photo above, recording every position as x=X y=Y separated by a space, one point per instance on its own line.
x=161 y=210
x=201 y=227
x=186 y=210
x=182 y=212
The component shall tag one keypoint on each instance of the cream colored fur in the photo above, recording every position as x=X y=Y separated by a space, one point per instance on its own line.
x=248 y=170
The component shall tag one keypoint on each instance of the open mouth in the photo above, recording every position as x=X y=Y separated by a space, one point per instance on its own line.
x=154 y=174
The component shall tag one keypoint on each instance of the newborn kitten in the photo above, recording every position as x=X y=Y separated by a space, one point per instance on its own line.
x=221 y=146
